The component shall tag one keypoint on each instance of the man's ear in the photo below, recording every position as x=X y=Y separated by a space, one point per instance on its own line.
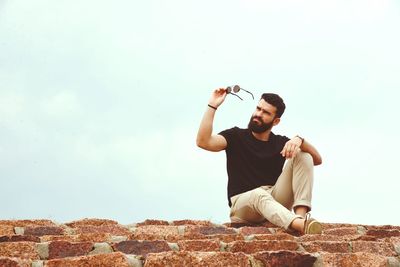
x=276 y=121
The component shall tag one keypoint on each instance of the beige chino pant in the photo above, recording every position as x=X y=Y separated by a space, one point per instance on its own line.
x=274 y=203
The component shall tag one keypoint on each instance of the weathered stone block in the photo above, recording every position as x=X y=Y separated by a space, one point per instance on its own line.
x=101 y=248
x=222 y=238
x=141 y=247
x=20 y=238
x=14 y=262
x=91 y=237
x=342 y=231
x=382 y=233
x=156 y=232
x=91 y=222
x=184 y=258
x=63 y=249
x=380 y=248
x=24 y=250
x=43 y=230
x=254 y=231
x=285 y=258
x=327 y=226
x=215 y=232
x=257 y=246
x=396 y=244
x=199 y=245
x=210 y=230
x=110 y=229
x=25 y=223
x=327 y=246
x=115 y=259
x=353 y=259
x=6 y=230
x=192 y=222
x=153 y=222
x=281 y=236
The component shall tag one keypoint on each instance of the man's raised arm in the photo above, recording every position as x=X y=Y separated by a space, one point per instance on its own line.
x=205 y=138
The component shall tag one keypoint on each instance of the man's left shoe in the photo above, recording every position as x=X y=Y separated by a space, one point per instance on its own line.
x=312 y=226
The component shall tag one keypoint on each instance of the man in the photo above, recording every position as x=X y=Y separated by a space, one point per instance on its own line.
x=258 y=188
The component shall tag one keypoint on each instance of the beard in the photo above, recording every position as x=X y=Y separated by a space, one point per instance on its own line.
x=259 y=128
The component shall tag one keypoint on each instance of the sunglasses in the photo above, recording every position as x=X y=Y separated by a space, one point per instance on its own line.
x=235 y=89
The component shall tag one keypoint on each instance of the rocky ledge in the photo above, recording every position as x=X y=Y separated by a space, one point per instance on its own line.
x=101 y=242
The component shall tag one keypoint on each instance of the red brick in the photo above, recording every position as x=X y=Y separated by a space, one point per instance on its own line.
x=285 y=258
x=91 y=222
x=111 y=229
x=254 y=230
x=258 y=245
x=156 y=232
x=20 y=238
x=24 y=250
x=192 y=222
x=153 y=222
x=199 y=245
x=43 y=230
x=327 y=246
x=116 y=259
x=353 y=259
x=6 y=230
x=63 y=249
x=141 y=247
x=380 y=248
x=341 y=231
x=185 y=258
x=25 y=223
x=14 y=262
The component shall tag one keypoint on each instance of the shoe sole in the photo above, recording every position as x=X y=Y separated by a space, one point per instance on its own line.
x=314 y=228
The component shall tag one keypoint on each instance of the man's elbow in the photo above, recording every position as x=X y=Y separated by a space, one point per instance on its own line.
x=200 y=143
x=317 y=161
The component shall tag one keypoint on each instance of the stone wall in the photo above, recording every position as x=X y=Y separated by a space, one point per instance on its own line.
x=98 y=242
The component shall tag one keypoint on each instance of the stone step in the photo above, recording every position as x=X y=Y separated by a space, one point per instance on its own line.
x=185 y=258
x=115 y=259
x=40 y=243
x=355 y=259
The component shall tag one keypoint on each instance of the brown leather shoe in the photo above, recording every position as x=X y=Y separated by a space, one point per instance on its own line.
x=312 y=226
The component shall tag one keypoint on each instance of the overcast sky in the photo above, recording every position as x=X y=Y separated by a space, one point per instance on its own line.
x=100 y=102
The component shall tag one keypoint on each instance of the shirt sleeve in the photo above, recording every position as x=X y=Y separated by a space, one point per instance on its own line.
x=228 y=134
x=282 y=139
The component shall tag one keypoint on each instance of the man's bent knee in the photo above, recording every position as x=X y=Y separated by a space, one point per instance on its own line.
x=304 y=158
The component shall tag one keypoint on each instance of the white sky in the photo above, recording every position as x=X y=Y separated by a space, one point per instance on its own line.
x=100 y=103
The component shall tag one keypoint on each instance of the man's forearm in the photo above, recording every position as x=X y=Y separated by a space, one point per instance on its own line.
x=206 y=127
x=307 y=147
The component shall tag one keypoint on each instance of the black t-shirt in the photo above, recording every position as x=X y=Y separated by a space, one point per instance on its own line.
x=252 y=163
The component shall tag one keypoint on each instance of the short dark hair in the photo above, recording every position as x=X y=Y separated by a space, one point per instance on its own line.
x=276 y=101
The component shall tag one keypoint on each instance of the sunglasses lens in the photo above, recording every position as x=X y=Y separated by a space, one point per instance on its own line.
x=228 y=89
x=236 y=88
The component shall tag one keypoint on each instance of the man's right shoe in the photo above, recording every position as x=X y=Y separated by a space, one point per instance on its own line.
x=312 y=226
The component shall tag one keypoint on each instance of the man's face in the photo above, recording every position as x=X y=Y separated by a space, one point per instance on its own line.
x=263 y=118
